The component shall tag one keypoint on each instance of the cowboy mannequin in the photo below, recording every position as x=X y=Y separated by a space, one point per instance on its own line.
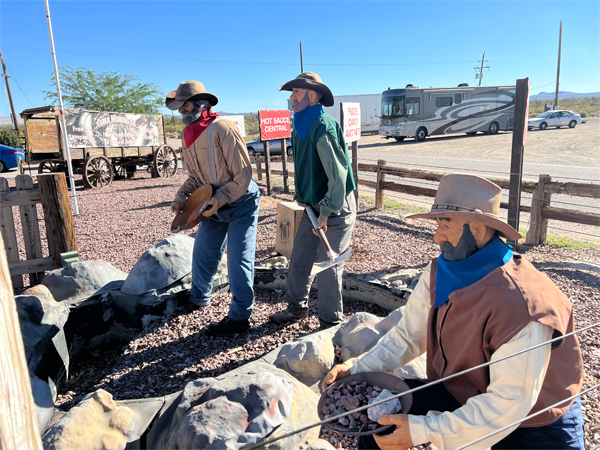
x=214 y=153
x=475 y=303
x=323 y=181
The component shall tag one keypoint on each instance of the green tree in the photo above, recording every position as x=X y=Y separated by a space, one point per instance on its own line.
x=9 y=137
x=106 y=91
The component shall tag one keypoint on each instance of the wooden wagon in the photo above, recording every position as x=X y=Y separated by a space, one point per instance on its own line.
x=102 y=145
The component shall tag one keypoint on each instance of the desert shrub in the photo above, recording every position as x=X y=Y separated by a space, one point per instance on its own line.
x=10 y=137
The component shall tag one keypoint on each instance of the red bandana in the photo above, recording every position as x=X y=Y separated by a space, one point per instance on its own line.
x=194 y=130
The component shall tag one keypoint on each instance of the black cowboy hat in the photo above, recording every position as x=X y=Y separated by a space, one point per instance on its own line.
x=189 y=91
x=312 y=81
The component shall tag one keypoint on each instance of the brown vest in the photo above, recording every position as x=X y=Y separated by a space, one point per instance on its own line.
x=465 y=331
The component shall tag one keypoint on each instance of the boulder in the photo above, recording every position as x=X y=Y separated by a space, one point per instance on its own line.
x=162 y=265
x=357 y=335
x=309 y=358
x=82 y=280
x=321 y=444
x=43 y=401
x=97 y=423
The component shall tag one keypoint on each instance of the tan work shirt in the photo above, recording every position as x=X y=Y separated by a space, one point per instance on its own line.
x=232 y=164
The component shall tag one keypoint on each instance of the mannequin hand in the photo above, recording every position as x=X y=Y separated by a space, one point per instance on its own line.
x=398 y=440
x=176 y=207
x=211 y=207
x=338 y=372
x=322 y=223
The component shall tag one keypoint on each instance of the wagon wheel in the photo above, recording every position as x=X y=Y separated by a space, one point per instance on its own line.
x=97 y=172
x=51 y=166
x=165 y=162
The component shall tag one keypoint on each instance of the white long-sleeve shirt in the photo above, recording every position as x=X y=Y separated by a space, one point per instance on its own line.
x=514 y=383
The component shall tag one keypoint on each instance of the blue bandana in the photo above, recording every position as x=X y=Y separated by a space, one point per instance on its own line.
x=454 y=275
x=304 y=119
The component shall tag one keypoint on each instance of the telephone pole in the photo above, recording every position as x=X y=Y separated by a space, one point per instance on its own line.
x=558 y=68
x=301 y=65
x=480 y=69
x=12 y=106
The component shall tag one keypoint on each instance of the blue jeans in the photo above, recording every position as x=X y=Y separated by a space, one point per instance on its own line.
x=232 y=226
x=565 y=433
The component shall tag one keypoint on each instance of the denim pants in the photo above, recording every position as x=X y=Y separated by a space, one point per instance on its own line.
x=233 y=227
x=308 y=250
x=565 y=433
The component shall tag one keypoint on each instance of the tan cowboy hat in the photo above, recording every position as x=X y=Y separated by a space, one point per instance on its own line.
x=191 y=211
x=469 y=197
x=189 y=91
x=310 y=80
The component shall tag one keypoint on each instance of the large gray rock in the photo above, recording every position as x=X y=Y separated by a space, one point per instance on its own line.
x=357 y=335
x=309 y=358
x=82 y=280
x=165 y=263
x=43 y=401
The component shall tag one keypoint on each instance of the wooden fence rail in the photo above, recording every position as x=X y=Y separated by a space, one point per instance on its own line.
x=60 y=230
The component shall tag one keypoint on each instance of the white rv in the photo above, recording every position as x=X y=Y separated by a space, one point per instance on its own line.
x=418 y=113
x=369 y=105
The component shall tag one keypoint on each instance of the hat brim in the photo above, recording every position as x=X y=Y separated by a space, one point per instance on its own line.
x=302 y=83
x=174 y=104
x=504 y=229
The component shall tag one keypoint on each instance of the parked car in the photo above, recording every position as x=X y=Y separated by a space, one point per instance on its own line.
x=9 y=157
x=258 y=148
x=554 y=119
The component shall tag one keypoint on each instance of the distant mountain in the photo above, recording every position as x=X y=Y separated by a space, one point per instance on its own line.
x=7 y=121
x=562 y=94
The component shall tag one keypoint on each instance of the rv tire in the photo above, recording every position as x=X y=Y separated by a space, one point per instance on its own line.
x=399 y=138
x=493 y=128
x=421 y=134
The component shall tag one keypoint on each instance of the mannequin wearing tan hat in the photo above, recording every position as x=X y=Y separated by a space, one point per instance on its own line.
x=479 y=302
x=323 y=181
x=214 y=154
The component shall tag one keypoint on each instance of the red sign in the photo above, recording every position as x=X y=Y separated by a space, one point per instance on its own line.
x=274 y=124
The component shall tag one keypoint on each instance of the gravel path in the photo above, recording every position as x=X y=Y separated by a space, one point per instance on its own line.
x=117 y=224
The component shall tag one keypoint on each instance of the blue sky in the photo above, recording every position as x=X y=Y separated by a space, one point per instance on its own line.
x=242 y=51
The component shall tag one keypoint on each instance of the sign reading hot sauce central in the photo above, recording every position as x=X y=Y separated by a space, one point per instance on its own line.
x=274 y=125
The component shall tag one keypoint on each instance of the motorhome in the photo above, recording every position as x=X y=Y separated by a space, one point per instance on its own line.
x=418 y=113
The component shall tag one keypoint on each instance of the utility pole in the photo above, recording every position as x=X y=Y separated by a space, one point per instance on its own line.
x=12 y=107
x=558 y=69
x=301 y=65
x=480 y=69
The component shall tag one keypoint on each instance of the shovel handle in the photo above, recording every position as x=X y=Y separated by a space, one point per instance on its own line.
x=319 y=231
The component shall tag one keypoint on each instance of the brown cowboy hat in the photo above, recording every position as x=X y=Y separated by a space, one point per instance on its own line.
x=191 y=211
x=310 y=80
x=189 y=91
x=469 y=197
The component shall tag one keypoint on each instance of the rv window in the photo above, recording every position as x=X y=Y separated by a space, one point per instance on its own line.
x=413 y=105
x=443 y=101
x=458 y=98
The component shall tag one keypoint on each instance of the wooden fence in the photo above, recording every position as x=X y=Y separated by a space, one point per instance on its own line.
x=60 y=232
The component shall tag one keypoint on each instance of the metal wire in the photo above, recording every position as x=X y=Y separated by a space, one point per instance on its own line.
x=420 y=388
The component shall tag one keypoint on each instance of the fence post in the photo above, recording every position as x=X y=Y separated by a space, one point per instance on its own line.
x=60 y=229
x=379 y=192
x=258 y=167
x=286 y=190
x=9 y=235
x=18 y=422
x=355 y=169
x=538 y=226
x=31 y=228
x=268 y=166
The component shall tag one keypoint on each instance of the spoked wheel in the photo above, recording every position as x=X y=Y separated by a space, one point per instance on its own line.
x=165 y=162
x=51 y=166
x=97 y=172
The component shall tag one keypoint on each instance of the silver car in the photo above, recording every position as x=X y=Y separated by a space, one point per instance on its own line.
x=258 y=148
x=556 y=119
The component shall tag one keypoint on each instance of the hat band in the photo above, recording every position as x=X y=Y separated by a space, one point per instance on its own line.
x=448 y=207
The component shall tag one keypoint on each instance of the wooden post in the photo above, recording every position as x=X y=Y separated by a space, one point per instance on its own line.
x=355 y=169
x=379 y=192
x=268 y=166
x=538 y=226
x=519 y=136
x=31 y=228
x=18 y=421
x=258 y=167
x=286 y=189
x=57 y=215
x=9 y=234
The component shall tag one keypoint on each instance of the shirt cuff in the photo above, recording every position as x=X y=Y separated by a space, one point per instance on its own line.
x=418 y=430
x=326 y=212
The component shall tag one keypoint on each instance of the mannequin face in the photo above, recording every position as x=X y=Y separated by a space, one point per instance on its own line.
x=303 y=98
x=185 y=108
x=459 y=238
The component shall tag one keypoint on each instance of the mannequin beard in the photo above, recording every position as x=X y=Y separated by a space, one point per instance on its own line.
x=298 y=106
x=194 y=114
x=467 y=245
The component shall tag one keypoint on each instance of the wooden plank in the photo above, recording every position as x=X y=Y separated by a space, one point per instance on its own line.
x=31 y=228
x=280 y=172
x=18 y=421
x=146 y=151
x=538 y=225
x=112 y=152
x=286 y=189
x=369 y=184
x=94 y=151
x=77 y=153
x=31 y=265
x=362 y=167
x=575 y=189
x=18 y=198
x=130 y=151
x=354 y=164
x=408 y=189
x=569 y=215
x=379 y=191
x=268 y=166
x=57 y=215
x=8 y=233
